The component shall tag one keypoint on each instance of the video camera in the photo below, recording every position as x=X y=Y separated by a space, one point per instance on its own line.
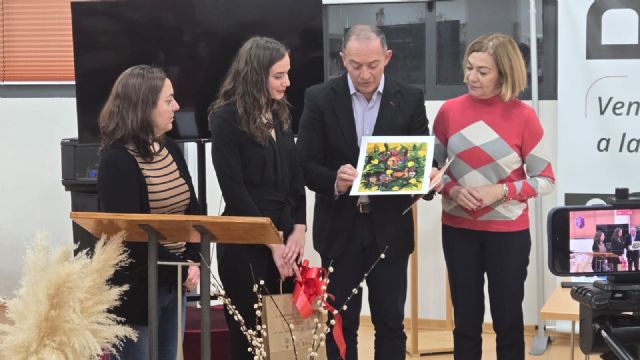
x=600 y=240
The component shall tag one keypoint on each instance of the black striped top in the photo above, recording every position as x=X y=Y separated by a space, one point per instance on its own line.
x=168 y=191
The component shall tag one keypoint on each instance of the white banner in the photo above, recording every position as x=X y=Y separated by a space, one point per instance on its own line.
x=598 y=96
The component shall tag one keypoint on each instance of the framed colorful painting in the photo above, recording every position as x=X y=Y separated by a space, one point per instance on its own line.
x=393 y=165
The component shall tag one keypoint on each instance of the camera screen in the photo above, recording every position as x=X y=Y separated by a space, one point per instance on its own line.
x=593 y=240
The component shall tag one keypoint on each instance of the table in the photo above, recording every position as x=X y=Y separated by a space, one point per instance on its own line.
x=560 y=306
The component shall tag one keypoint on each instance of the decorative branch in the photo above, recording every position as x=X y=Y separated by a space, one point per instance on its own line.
x=354 y=291
x=254 y=337
x=319 y=340
x=335 y=312
x=290 y=326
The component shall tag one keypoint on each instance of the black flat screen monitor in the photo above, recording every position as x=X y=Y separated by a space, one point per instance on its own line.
x=194 y=41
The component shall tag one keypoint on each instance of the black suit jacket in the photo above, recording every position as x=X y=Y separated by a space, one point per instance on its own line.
x=256 y=179
x=631 y=254
x=327 y=139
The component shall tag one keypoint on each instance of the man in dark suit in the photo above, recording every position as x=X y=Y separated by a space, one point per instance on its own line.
x=632 y=255
x=351 y=232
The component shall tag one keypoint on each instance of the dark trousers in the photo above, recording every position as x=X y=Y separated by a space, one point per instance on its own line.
x=632 y=262
x=237 y=266
x=387 y=288
x=503 y=257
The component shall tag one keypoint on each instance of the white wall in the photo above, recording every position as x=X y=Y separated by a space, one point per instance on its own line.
x=34 y=200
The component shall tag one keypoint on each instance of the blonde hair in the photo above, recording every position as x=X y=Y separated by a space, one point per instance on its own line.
x=508 y=58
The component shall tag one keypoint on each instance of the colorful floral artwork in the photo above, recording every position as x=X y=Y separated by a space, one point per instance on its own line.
x=391 y=165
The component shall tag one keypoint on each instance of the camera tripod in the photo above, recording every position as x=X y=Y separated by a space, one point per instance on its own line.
x=609 y=318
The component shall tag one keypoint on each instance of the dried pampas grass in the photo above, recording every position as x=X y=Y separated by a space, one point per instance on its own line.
x=60 y=309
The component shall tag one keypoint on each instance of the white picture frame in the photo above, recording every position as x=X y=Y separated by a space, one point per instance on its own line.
x=394 y=165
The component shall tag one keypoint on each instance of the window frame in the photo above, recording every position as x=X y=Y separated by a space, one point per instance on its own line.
x=437 y=92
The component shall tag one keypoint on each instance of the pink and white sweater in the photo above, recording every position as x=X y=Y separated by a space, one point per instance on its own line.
x=492 y=142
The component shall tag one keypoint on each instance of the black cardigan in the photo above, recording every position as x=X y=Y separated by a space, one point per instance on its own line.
x=122 y=189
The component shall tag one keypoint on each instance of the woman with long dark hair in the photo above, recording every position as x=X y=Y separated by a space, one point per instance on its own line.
x=616 y=246
x=599 y=262
x=257 y=167
x=143 y=171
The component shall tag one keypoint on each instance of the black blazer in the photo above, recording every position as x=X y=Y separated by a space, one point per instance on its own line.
x=631 y=254
x=616 y=246
x=123 y=189
x=327 y=140
x=256 y=179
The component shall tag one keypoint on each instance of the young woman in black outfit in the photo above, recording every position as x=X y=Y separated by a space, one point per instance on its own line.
x=616 y=246
x=256 y=164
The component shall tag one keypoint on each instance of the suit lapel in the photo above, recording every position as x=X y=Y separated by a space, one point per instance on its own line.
x=388 y=106
x=344 y=112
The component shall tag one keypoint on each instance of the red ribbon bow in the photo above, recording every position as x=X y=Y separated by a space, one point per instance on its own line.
x=307 y=290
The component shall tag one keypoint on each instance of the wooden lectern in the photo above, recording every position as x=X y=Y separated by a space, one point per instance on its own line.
x=152 y=228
